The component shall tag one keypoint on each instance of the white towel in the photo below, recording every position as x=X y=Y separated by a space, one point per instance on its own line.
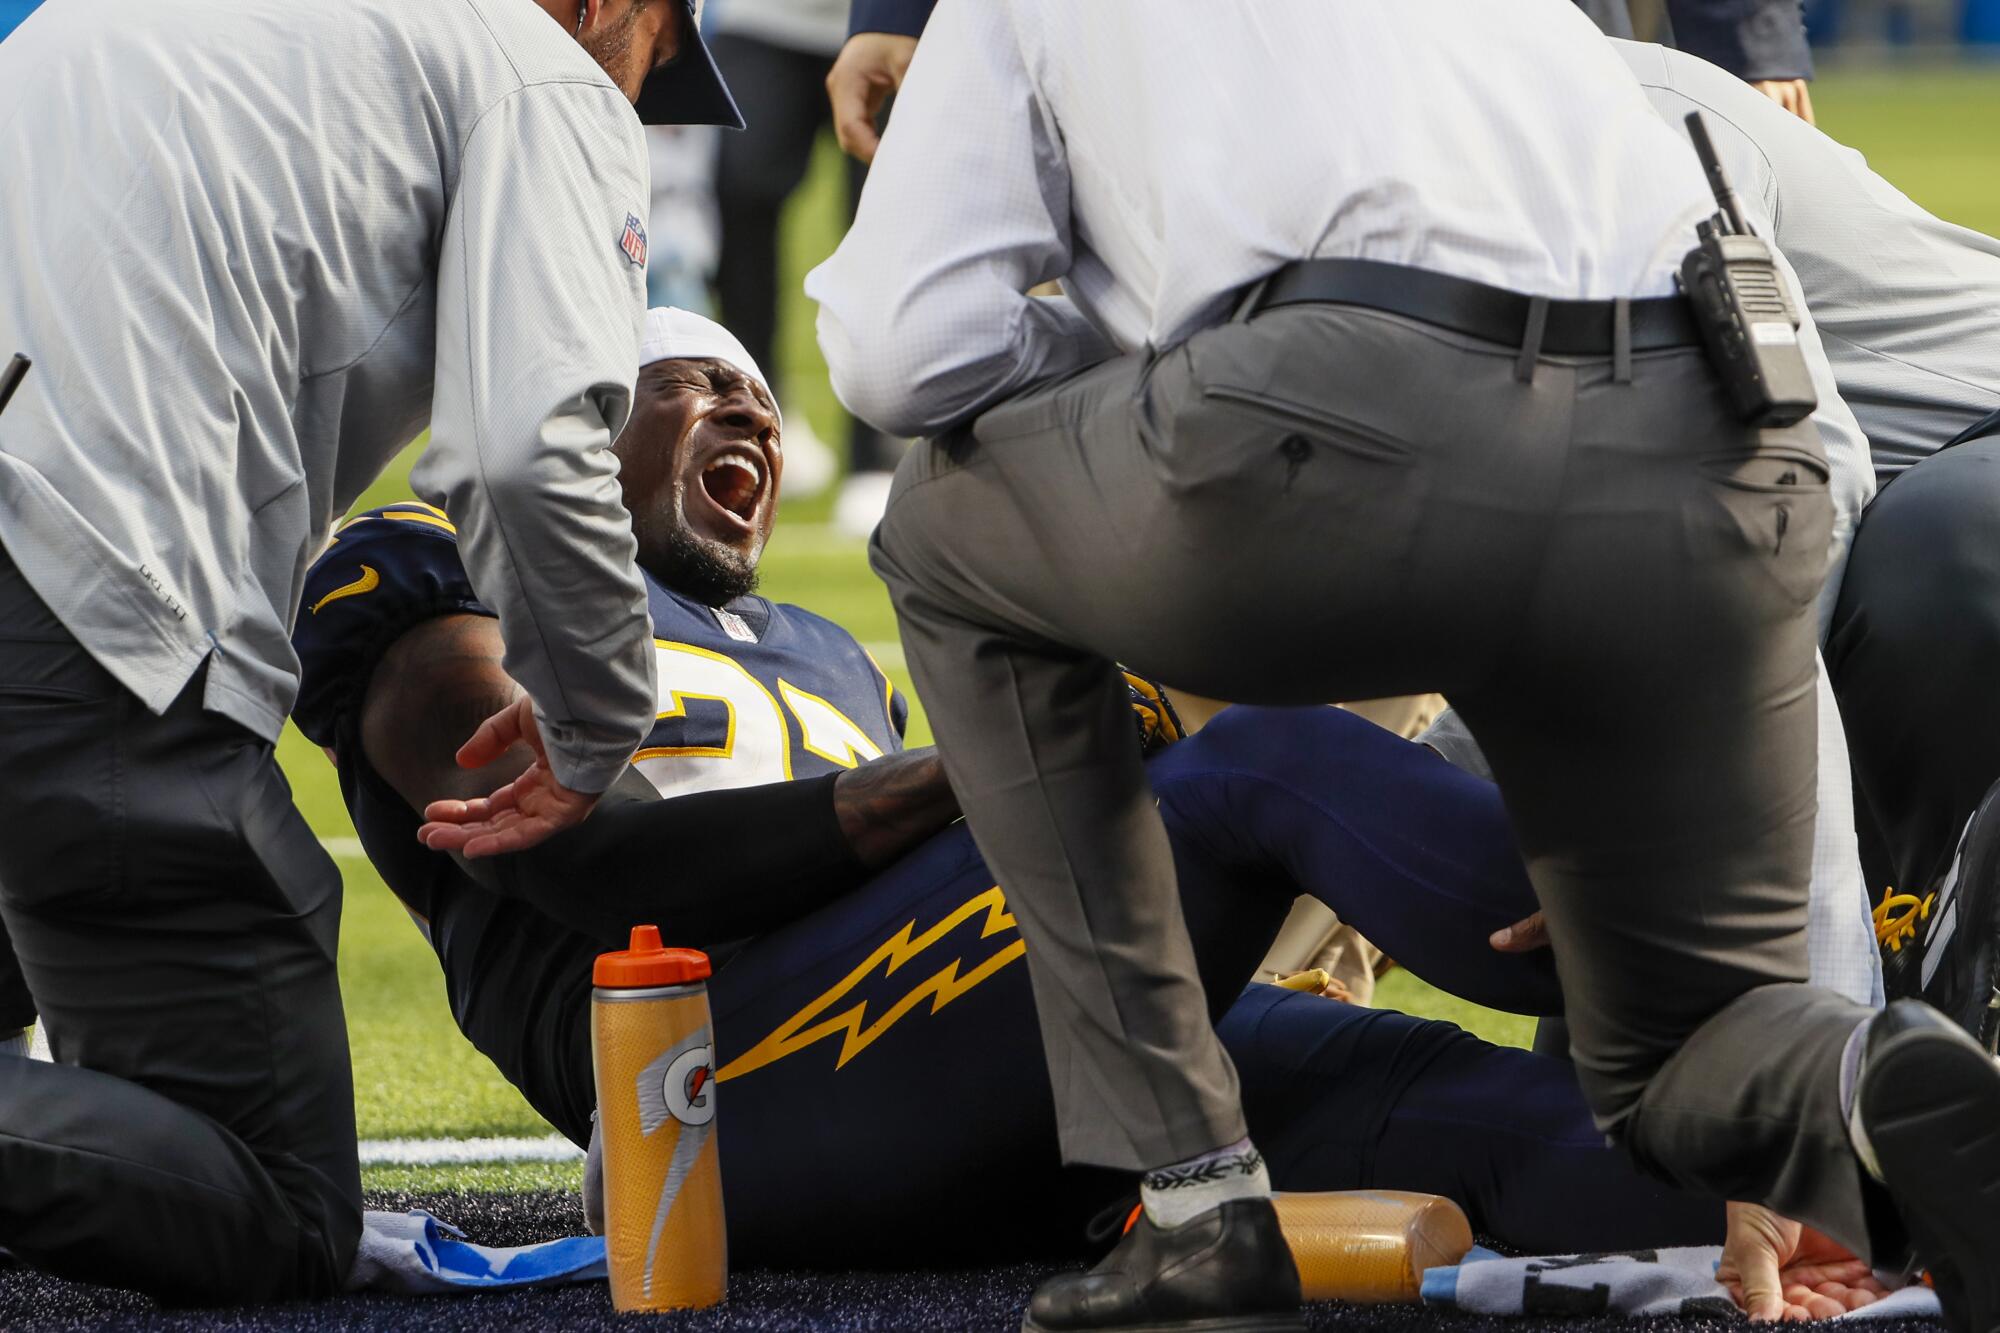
x=1638 y=1282
x=415 y=1254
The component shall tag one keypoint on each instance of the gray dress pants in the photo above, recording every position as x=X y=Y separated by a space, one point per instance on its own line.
x=1611 y=576
x=176 y=922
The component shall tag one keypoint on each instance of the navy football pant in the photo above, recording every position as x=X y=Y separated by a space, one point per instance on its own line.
x=887 y=1098
x=903 y=1016
x=1264 y=804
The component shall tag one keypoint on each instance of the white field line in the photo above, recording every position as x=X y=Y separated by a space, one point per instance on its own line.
x=344 y=847
x=459 y=1152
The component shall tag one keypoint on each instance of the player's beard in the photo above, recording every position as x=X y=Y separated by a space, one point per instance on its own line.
x=612 y=48
x=709 y=572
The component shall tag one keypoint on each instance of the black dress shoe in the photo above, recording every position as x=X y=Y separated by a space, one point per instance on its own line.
x=1944 y=948
x=1226 y=1271
x=1928 y=1106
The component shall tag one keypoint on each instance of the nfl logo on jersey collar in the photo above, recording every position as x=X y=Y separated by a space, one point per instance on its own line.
x=735 y=626
x=633 y=242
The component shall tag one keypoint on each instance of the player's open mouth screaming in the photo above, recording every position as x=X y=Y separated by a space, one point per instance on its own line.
x=734 y=480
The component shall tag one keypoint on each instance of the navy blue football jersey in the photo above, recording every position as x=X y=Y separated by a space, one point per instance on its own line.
x=751 y=693
x=384 y=572
x=758 y=692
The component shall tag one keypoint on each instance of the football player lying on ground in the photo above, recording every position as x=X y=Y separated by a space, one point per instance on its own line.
x=887 y=1098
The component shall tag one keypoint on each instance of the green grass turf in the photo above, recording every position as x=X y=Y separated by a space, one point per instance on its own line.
x=1927 y=130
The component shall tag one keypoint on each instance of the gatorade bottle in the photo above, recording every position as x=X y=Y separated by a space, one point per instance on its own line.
x=654 y=1058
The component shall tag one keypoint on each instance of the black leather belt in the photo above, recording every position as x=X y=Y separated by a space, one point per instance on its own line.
x=1492 y=314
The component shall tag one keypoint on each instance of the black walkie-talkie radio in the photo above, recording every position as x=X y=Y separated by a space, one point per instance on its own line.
x=1741 y=305
x=11 y=377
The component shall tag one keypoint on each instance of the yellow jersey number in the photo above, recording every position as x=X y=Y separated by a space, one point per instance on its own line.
x=757 y=744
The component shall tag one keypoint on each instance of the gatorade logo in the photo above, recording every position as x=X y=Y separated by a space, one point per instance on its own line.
x=689 y=1086
x=679 y=1084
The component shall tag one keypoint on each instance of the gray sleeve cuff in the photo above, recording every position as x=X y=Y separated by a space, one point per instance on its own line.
x=584 y=763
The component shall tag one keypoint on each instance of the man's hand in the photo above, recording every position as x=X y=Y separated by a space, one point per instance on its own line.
x=870 y=67
x=1776 y=1269
x=1524 y=936
x=531 y=808
x=1795 y=95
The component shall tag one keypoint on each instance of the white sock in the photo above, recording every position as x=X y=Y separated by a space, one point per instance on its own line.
x=1184 y=1191
x=15 y=1045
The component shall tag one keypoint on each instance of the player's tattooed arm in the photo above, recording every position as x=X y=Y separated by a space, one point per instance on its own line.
x=431 y=690
x=889 y=805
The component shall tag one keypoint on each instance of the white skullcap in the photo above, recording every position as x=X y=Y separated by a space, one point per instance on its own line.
x=673 y=334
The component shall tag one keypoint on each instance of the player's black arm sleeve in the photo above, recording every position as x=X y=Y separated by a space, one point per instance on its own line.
x=727 y=864
x=708 y=867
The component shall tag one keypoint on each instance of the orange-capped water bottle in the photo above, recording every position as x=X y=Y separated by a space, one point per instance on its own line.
x=653 y=1051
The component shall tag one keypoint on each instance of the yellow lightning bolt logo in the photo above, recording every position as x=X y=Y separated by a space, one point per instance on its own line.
x=813 y=1023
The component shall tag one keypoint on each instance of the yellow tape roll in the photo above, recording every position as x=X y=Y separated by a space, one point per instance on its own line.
x=1370 y=1245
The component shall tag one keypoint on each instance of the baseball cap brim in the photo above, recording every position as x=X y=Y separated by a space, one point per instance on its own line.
x=688 y=90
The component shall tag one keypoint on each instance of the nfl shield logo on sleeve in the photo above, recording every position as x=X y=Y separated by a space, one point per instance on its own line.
x=633 y=242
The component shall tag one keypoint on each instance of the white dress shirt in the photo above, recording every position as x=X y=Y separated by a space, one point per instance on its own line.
x=1907 y=304
x=1159 y=155
x=246 y=239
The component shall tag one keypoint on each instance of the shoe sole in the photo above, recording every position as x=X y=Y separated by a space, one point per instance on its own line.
x=1931 y=1106
x=1261 y=1323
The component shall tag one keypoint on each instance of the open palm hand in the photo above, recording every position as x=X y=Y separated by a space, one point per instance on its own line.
x=524 y=812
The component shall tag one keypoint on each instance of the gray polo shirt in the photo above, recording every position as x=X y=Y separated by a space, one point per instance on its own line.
x=254 y=247
x=1908 y=306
